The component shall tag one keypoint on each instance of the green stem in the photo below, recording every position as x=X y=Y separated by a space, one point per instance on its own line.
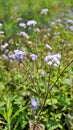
x=52 y=86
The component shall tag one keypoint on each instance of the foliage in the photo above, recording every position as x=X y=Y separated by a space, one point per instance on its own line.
x=36 y=72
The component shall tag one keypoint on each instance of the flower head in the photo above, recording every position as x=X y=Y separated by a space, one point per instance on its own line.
x=31 y=23
x=59 y=20
x=70 y=21
x=24 y=34
x=18 y=55
x=34 y=104
x=4 y=46
x=44 y=11
x=19 y=19
x=71 y=28
x=53 y=59
x=23 y=25
x=33 y=56
x=43 y=73
x=4 y=56
x=52 y=23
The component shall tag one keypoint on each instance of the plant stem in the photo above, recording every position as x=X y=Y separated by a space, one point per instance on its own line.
x=52 y=86
x=30 y=76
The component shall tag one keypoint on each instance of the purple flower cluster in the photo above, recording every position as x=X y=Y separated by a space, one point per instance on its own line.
x=53 y=59
x=18 y=55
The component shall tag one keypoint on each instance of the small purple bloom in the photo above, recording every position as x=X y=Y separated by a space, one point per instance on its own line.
x=59 y=20
x=31 y=23
x=23 y=25
x=33 y=56
x=71 y=28
x=52 y=23
x=43 y=73
x=34 y=104
x=24 y=34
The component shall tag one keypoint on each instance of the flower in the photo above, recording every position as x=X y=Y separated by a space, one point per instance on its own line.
x=34 y=104
x=37 y=30
x=70 y=21
x=49 y=63
x=59 y=20
x=33 y=56
x=71 y=28
x=48 y=46
x=58 y=56
x=43 y=73
x=44 y=11
x=23 y=25
x=24 y=34
x=19 y=19
x=52 y=23
x=53 y=59
x=4 y=46
x=1 y=32
x=48 y=58
x=4 y=56
x=31 y=23
x=1 y=25
x=18 y=55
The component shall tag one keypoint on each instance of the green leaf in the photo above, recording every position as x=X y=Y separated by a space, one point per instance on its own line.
x=54 y=125
x=17 y=112
x=2 y=122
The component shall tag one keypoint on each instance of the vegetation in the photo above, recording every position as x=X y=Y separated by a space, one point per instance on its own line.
x=36 y=65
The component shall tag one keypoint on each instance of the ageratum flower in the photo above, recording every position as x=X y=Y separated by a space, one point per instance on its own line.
x=4 y=56
x=31 y=23
x=19 y=19
x=33 y=56
x=71 y=28
x=52 y=23
x=53 y=59
x=24 y=34
x=70 y=21
x=23 y=25
x=42 y=73
x=59 y=20
x=44 y=11
x=34 y=104
x=4 y=46
x=18 y=55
